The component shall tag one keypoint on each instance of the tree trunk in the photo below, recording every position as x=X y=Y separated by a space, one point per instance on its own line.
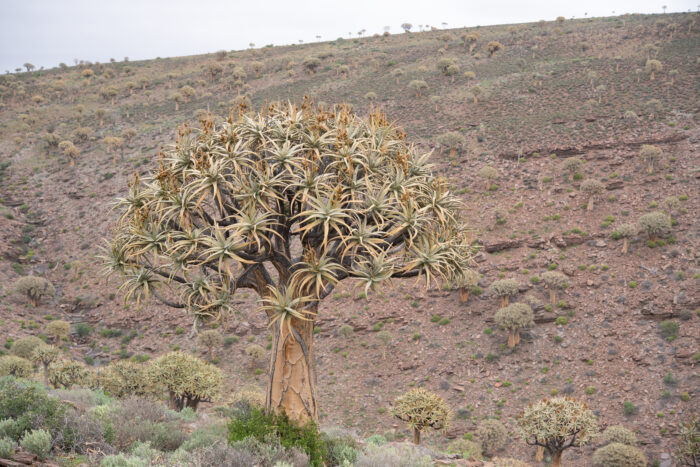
x=291 y=384
x=625 y=245
x=650 y=168
x=452 y=152
x=553 y=296
x=464 y=294
x=504 y=301
x=516 y=332
x=540 y=454
x=416 y=436
x=556 y=459
x=652 y=76
x=211 y=354
x=589 y=206
x=511 y=338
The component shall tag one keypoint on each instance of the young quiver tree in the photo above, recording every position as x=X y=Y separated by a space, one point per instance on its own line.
x=554 y=281
x=513 y=318
x=124 y=378
x=64 y=374
x=34 y=288
x=421 y=409
x=591 y=188
x=572 y=165
x=655 y=224
x=557 y=424
x=45 y=355
x=58 y=329
x=467 y=282
x=211 y=339
x=187 y=379
x=453 y=140
x=288 y=203
x=504 y=289
x=489 y=174
x=653 y=66
x=649 y=153
x=625 y=232
x=418 y=86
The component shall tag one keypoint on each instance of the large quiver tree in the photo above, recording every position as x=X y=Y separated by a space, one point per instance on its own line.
x=287 y=202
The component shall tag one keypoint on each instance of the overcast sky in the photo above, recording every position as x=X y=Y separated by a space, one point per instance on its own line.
x=48 y=32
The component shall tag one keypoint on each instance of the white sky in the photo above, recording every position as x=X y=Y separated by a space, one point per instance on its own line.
x=47 y=32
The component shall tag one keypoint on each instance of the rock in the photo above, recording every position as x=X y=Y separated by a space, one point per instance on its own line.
x=600 y=244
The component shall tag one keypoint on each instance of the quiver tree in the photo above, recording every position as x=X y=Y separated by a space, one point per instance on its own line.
x=452 y=71
x=493 y=47
x=421 y=409
x=69 y=150
x=255 y=353
x=88 y=74
x=470 y=39
x=653 y=66
x=443 y=64
x=625 y=232
x=513 y=318
x=555 y=281
x=64 y=374
x=453 y=140
x=475 y=92
x=649 y=153
x=466 y=283
x=344 y=71
x=58 y=329
x=109 y=93
x=100 y=114
x=397 y=73
x=557 y=424
x=25 y=346
x=591 y=188
x=211 y=339
x=34 y=288
x=311 y=64
x=489 y=174
x=113 y=143
x=288 y=203
x=385 y=339
x=213 y=69
x=187 y=379
x=504 y=289
x=671 y=205
x=124 y=378
x=45 y=355
x=571 y=165
x=418 y=86
x=178 y=99
x=188 y=92
x=655 y=225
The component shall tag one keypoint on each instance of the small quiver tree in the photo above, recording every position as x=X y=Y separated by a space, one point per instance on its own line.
x=124 y=378
x=45 y=355
x=58 y=329
x=652 y=67
x=418 y=86
x=34 y=288
x=572 y=165
x=493 y=47
x=557 y=424
x=649 y=154
x=591 y=188
x=619 y=455
x=113 y=143
x=421 y=409
x=489 y=174
x=69 y=150
x=211 y=339
x=11 y=365
x=187 y=379
x=504 y=289
x=476 y=91
x=625 y=232
x=453 y=140
x=255 y=353
x=655 y=224
x=64 y=374
x=385 y=339
x=466 y=283
x=287 y=202
x=513 y=318
x=554 y=281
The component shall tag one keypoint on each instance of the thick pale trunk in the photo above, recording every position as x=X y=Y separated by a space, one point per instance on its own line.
x=625 y=245
x=556 y=459
x=452 y=152
x=589 y=207
x=516 y=332
x=416 y=436
x=504 y=301
x=652 y=76
x=553 y=296
x=291 y=384
x=464 y=294
x=511 y=338
x=540 y=454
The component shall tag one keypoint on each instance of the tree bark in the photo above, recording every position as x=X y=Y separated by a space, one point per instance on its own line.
x=553 y=296
x=464 y=294
x=292 y=383
x=556 y=459
x=511 y=338
x=416 y=436
x=540 y=454
x=625 y=245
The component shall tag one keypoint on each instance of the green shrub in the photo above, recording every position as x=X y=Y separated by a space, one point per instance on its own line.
x=467 y=449
x=259 y=425
x=37 y=442
x=669 y=329
x=628 y=407
x=123 y=460
x=7 y=447
x=342 y=450
x=29 y=406
x=83 y=330
x=619 y=455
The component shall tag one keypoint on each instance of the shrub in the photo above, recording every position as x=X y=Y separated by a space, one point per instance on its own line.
x=619 y=455
x=508 y=462
x=671 y=204
x=688 y=451
x=68 y=373
x=628 y=407
x=255 y=353
x=421 y=409
x=25 y=346
x=572 y=165
x=504 y=288
x=37 y=442
x=492 y=436
x=123 y=378
x=341 y=450
x=554 y=281
x=123 y=460
x=556 y=424
x=58 y=329
x=649 y=153
x=250 y=395
x=371 y=96
x=210 y=339
x=135 y=419
x=619 y=434
x=392 y=455
x=467 y=449
x=7 y=447
x=514 y=317
x=489 y=174
x=187 y=379
x=11 y=365
x=669 y=329
x=261 y=426
x=26 y=406
x=346 y=331
x=83 y=330
x=311 y=64
x=655 y=224
x=34 y=288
